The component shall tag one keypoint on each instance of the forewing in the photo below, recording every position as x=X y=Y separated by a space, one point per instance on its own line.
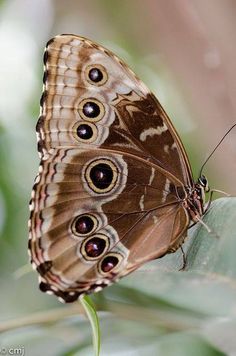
x=130 y=118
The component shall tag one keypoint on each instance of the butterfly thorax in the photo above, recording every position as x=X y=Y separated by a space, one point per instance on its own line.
x=194 y=204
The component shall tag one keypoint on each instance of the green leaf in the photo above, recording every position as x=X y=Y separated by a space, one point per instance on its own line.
x=202 y=298
x=214 y=252
x=93 y=318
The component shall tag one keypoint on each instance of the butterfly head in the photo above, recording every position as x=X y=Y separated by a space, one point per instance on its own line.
x=203 y=182
x=197 y=198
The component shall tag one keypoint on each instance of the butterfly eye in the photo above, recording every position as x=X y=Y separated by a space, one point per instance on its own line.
x=96 y=74
x=204 y=183
x=101 y=175
x=91 y=110
x=203 y=180
x=95 y=246
x=84 y=225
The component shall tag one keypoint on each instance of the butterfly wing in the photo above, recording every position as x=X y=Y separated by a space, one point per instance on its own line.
x=84 y=235
x=112 y=169
x=129 y=117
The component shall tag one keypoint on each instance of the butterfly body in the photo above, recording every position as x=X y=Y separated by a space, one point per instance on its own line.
x=115 y=187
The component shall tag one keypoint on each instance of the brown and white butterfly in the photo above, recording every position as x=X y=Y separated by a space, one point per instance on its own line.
x=115 y=187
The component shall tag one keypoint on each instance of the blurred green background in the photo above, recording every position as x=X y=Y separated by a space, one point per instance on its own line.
x=185 y=52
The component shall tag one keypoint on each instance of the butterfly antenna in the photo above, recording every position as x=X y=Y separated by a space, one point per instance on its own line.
x=218 y=144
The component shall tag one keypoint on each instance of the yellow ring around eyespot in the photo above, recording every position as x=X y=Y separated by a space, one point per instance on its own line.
x=100 y=236
x=102 y=69
x=114 y=178
x=76 y=234
x=93 y=127
x=100 y=105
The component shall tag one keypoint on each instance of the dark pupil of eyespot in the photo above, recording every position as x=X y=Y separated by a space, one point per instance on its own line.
x=91 y=109
x=95 y=75
x=84 y=131
x=109 y=263
x=95 y=247
x=101 y=175
x=84 y=225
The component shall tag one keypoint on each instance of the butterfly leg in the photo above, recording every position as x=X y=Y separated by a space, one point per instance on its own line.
x=211 y=195
x=184 y=260
x=191 y=225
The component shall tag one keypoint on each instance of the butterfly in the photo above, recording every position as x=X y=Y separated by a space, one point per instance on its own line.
x=115 y=188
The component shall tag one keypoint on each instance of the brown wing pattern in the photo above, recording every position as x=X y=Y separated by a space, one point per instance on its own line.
x=106 y=197
x=138 y=219
x=132 y=119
